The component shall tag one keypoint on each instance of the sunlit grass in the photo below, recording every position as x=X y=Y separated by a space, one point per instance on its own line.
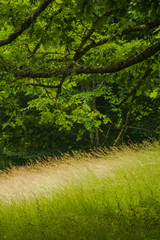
x=100 y=195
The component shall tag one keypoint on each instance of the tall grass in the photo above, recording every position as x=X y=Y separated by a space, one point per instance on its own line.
x=104 y=195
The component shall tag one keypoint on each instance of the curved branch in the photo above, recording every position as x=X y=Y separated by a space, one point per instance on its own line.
x=91 y=31
x=26 y=24
x=45 y=30
x=142 y=27
x=150 y=51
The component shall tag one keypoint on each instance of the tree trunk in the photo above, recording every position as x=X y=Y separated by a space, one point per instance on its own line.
x=119 y=139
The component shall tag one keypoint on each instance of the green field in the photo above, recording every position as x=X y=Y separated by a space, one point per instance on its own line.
x=102 y=195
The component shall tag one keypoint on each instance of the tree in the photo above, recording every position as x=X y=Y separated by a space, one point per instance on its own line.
x=72 y=57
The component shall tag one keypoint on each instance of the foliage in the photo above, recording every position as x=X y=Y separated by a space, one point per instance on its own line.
x=89 y=69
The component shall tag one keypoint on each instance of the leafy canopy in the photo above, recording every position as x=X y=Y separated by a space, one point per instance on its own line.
x=64 y=57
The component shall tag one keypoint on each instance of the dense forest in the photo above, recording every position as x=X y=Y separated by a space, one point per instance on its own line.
x=77 y=74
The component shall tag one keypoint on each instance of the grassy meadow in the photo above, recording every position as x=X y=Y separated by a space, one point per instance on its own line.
x=101 y=195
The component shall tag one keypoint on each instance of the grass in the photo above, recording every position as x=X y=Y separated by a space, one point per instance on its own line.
x=104 y=195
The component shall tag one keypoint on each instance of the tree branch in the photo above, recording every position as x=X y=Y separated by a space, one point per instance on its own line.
x=142 y=27
x=59 y=89
x=84 y=40
x=136 y=88
x=123 y=100
x=87 y=37
x=150 y=51
x=26 y=24
x=133 y=94
x=124 y=127
x=45 y=30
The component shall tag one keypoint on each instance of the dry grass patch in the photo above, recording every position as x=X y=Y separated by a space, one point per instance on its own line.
x=49 y=174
